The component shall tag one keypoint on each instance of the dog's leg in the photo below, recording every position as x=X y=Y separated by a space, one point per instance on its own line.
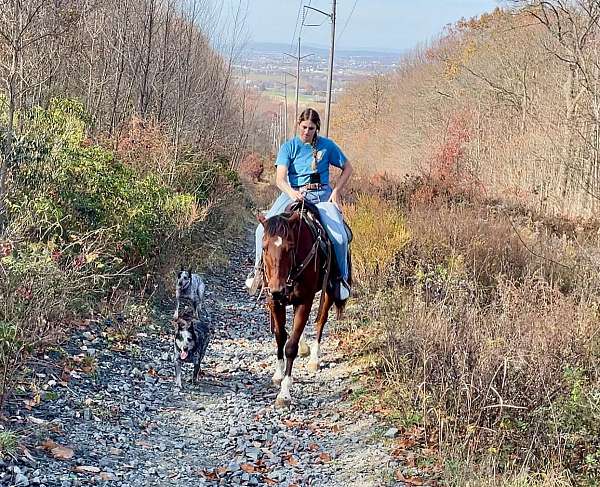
x=196 y=373
x=176 y=314
x=178 y=373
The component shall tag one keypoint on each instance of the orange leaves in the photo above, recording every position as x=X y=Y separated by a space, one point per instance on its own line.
x=57 y=451
x=408 y=480
x=325 y=457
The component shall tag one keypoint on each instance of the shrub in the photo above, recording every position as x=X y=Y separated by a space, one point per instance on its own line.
x=379 y=234
x=252 y=167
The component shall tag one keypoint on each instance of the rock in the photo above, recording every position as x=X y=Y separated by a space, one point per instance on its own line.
x=21 y=480
x=391 y=433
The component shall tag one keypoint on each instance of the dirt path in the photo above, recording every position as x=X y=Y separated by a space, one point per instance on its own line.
x=127 y=425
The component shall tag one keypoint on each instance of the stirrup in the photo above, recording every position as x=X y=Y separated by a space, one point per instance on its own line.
x=344 y=291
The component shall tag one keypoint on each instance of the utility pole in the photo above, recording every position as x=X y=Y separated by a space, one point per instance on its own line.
x=298 y=58
x=279 y=132
x=330 y=74
x=284 y=83
x=332 y=16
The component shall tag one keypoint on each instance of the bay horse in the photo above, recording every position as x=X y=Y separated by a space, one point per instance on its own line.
x=294 y=271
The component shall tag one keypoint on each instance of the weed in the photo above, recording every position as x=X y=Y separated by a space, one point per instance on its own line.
x=8 y=443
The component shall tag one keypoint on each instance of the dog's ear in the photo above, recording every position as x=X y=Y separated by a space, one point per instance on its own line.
x=189 y=272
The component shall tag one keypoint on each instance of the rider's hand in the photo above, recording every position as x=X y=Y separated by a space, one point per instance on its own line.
x=335 y=198
x=296 y=195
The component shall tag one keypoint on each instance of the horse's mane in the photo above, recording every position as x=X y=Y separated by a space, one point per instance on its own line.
x=278 y=225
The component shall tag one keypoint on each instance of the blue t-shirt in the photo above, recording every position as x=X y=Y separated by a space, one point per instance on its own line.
x=298 y=158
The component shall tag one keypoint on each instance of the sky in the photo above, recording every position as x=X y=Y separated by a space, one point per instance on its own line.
x=391 y=25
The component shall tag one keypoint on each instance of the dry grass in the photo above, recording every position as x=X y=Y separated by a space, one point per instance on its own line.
x=488 y=336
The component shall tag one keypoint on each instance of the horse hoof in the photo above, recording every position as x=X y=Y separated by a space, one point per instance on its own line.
x=313 y=366
x=282 y=403
x=303 y=349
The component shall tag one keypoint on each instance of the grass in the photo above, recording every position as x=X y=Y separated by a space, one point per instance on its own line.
x=8 y=443
x=478 y=342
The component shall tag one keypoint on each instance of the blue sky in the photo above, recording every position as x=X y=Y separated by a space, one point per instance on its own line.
x=380 y=24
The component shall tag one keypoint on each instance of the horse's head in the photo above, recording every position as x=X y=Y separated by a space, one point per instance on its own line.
x=279 y=246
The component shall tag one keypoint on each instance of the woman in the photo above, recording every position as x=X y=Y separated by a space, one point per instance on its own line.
x=303 y=174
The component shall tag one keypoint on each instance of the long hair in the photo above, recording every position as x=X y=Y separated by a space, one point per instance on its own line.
x=311 y=115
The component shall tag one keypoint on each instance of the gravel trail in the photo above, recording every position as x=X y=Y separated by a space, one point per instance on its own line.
x=123 y=423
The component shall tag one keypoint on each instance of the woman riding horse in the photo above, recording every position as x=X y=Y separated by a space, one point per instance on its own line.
x=293 y=266
x=303 y=173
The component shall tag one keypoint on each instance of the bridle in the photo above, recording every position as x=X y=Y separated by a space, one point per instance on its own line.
x=296 y=270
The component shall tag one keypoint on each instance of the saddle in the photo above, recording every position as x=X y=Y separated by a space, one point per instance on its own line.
x=311 y=217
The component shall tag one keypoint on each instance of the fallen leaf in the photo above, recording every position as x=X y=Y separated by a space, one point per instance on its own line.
x=86 y=469
x=269 y=481
x=414 y=481
x=325 y=457
x=222 y=470
x=405 y=443
x=291 y=459
x=62 y=453
x=408 y=480
x=248 y=468
x=48 y=444
x=209 y=475
x=34 y=420
x=313 y=447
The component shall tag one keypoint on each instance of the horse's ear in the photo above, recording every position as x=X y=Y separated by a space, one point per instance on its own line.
x=262 y=219
x=294 y=218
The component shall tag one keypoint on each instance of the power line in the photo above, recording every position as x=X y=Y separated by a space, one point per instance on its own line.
x=300 y=9
x=347 y=20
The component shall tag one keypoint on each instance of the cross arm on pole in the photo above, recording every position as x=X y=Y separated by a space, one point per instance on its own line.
x=296 y=57
x=327 y=14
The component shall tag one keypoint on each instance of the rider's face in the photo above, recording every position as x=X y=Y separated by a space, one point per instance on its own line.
x=307 y=130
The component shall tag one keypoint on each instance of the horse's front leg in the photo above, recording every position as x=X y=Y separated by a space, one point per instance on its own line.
x=284 y=398
x=315 y=349
x=278 y=320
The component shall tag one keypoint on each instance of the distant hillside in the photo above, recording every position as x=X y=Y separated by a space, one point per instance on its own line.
x=322 y=51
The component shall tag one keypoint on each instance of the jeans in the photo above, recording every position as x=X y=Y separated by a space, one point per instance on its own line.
x=330 y=216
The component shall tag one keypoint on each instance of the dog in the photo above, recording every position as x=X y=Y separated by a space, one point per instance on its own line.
x=189 y=286
x=190 y=343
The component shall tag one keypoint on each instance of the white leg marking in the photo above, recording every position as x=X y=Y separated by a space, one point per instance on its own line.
x=284 y=397
x=313 y=363
x=303 y=349
x=279 y=371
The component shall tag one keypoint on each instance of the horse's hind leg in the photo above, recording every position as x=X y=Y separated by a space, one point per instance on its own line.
x=303 y=348
x=313 y=363
x=284 y=398
x=278 y=317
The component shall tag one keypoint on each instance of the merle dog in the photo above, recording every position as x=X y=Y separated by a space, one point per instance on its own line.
x=189 y=286
x=191 y=340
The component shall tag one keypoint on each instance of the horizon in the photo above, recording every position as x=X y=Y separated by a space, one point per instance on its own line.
x=376 y=26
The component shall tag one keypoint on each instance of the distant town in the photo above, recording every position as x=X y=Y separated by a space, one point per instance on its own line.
x=266 y=68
